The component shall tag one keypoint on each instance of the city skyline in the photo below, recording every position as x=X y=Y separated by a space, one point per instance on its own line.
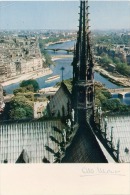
x=104 y=15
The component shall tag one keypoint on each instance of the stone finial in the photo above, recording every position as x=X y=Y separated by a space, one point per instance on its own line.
x=72 y=114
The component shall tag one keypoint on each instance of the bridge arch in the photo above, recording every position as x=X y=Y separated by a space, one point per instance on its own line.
x=127 y=94
x=121 y=95
x=121 y=92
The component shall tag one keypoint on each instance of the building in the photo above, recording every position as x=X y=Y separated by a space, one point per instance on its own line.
x=117 y=128
x=1 y=99
x=60 y=103
x=31 y=140
x=19 y=55
x=39 y=108
x=84 y=147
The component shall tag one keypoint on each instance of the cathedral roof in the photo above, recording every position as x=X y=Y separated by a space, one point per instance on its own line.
x=66 y=89
x=31 y=142
x=84 y=148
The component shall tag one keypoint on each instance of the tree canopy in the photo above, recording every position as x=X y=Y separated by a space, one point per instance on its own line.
x=104 y=99
x=114 y=105
x=20 y=108
x=31 y=85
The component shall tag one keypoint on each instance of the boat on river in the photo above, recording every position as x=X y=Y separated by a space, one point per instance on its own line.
x=55 y=77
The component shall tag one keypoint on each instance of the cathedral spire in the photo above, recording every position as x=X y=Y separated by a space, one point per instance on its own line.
x=76 y=58
x=83 y=87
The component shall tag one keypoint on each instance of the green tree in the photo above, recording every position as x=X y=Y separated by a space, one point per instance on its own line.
x=29 y=83
x=18 y=113
x=116 y=60
x=20 y=107
x=101 y=97
x=123 y=69
x=111 y=104
x=114 y=105
x=106 y=93
x=101 y=94
x=30 y=88
x=105 y=60
x=19 y=90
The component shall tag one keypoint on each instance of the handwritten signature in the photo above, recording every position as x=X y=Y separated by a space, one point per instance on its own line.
x=100 y=171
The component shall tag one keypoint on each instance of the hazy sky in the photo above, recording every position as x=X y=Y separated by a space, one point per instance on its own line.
x=63 y=14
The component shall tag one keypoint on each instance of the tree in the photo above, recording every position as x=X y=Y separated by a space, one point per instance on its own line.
x=18 y=113
x=19 y=90
x=20 y=108
x=101 y=96
x=105 y=60
x=106 y=93
x=111 y=104
x=29 y=111
x=123 y=69
x=114 y=105
x=30 y=88
x=116 y=60
x=29 y=84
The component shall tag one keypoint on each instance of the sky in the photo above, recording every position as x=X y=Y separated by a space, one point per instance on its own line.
x=63 y=15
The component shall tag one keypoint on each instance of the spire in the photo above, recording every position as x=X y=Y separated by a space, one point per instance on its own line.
x=83 y=88
x=86 y=53
x=76 y=58
x=83 y=55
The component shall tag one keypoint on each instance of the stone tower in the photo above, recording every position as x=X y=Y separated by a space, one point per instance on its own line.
x=83 y=75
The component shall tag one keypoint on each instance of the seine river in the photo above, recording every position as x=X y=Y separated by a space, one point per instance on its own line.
x=66 y=63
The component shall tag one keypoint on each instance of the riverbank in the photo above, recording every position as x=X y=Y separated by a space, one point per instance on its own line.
x=58 y=42
x=49 y=90
x=32 y=75
x=45 y=91
x=121 y=81
x=58 y=57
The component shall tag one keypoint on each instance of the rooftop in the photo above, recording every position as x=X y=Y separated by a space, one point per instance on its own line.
x=121 y=132
x=84 y=148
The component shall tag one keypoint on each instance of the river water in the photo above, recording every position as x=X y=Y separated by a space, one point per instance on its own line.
x=66 y=63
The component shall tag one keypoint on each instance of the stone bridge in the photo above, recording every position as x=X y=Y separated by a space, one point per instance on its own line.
x=120 y=91
x=60 y=49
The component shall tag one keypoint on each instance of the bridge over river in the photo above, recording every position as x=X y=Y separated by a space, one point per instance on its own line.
x=120 y=91
x=68 y=50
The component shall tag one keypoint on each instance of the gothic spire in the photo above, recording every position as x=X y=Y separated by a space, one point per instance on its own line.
x=83 y=88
